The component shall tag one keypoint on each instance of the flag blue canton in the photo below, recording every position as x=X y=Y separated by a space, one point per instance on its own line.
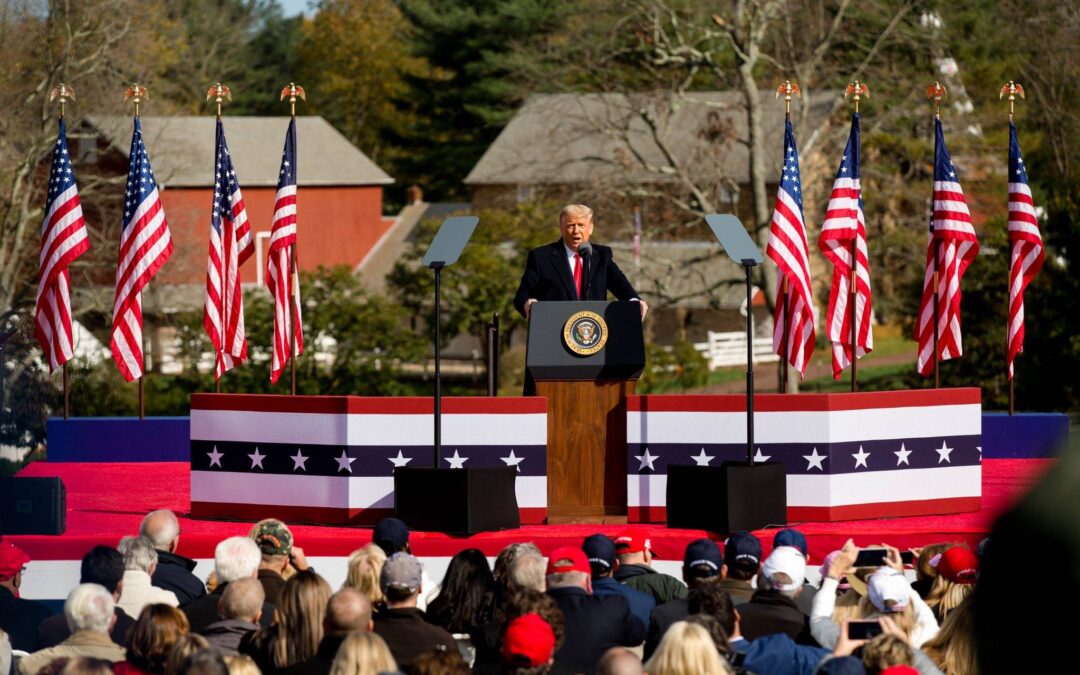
x=224 y=180
x=1017 y=170
x=790 y=181
x=61 y=176
x=140 y=180
x=850 y=162
x=287 y=174
x=944 y=170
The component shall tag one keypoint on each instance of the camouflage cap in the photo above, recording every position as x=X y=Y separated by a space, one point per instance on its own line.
x=274 y=538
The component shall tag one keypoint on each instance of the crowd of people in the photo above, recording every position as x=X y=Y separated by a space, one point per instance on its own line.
x=600 y=607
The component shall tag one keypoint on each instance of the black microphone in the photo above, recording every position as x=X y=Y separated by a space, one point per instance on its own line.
x=585 y=251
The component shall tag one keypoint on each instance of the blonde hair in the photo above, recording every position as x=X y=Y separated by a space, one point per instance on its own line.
x=363 y=653
x=887 y=650
x=905 y=620
x=241 y=664
x=575 y=210
x=185 y=646
x=953 y=648
x=686 y=649
x=365 y=567
x=847 y=607
x=945 y=596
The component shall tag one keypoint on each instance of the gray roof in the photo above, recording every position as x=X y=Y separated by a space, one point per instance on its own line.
x=683 y=273
x=182 y=150
x=570 y=138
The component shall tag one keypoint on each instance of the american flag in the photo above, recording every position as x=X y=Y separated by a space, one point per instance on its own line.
x=278 y=272
x=952 y=236
x=1026 y=244
x=845 y=224
x=787 y=248
x=636 y=248
x=63 y=239
x=145 y=245
x=231 y=244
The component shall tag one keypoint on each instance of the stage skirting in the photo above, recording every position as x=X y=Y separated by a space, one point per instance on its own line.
x=330 y=459
x=848 y=456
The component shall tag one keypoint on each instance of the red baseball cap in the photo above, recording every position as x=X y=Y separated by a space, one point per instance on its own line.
x=959 y=565
x=568 y=559
x=900 y=670
x=632 y=542
x=12 y=560
x=528 y=640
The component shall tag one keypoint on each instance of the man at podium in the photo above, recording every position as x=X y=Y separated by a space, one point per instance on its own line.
x=573 y=268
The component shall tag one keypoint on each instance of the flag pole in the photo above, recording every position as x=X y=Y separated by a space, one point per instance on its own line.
x=1013 y=90
x=292 y=92
x=786 y=89
x=856 y=91
x=136 y=93
x=936 y=91
x=219 y=93
x=63 y=93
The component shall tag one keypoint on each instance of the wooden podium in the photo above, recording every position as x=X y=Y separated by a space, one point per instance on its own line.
x=585 y=358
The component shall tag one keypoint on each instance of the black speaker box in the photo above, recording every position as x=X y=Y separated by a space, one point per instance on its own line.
x=457 y=501
x=727 y=498
x=32 y=506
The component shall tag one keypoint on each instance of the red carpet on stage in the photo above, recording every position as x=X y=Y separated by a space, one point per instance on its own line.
x=106 y=501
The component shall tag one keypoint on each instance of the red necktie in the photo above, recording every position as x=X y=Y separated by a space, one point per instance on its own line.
x=577 y=274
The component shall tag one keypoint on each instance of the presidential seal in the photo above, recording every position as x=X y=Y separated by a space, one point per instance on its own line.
x=585 y=333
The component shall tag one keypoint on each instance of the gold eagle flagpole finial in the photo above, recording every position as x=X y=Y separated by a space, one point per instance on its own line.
x=856 y=90
x=1012 y=89
x=787 y=89
x=136 y=93
x=293 y=92
x=219 y=93
x=936 y=91
x=62 y=92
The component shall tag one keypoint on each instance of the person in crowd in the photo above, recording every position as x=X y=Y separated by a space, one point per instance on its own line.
x=363 y=653
x=953 y=648
x=185 y=647
x=89 y=611
x=742 y=555
x=885 y=651
x=294 y=637
x=173 y=571
x=686 y=648
x=527 y=572
x=925 y=571
x=347 y=612
x=772 y=608
x=847 y=598
x=240 y=664
x=715 y=631
x=402 y=624
x=501 y=569
x=19 y=617
x=365 y=566
x=104 y=566
x=280 y=558
x=958 y=569
x=620 y=661
x=466 y=599
x=156 y=631
x=86 y=665
x=440 y=662
x=488 y=642
x=635 y=554
x=240 y=607
x=140 y=561
x=234 y=558
x=703 y=563
x=888 y=594
x=392 y=536
x=592 y=624
x=603 y=560
x=528 y=646
x=197 y=659
x=792 y=537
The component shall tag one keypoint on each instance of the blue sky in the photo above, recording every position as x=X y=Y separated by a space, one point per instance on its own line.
x=293 y=7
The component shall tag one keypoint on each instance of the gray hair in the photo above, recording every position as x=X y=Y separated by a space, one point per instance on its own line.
x=138 y=552
x=89 y=607
x=527 y=571
x=161 y=527
x=242 y=599
x=236 y=558
x=564 y=579
x=575 y=210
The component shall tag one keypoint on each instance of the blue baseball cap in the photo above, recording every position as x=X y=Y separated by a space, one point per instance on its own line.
x=743 y=550
x=791 y=537
x=703 y=559
x=600 y=550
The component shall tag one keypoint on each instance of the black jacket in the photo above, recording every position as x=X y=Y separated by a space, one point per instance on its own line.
x=408 y=634
x=547 y=276
x=204 y=611
x=593 y=626
x=661 y=619
x=173 y=573
x=19 y=618
x=322 y=661
x=771 y=612
x=54 y=630
x=227 y=634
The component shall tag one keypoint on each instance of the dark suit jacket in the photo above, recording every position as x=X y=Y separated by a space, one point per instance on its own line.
x=547 y=277
x=770 y=612
x=173 y=573
x=593 y=625
x=19 y=618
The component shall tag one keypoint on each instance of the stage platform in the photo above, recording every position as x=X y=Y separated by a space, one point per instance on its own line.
x=107 y=500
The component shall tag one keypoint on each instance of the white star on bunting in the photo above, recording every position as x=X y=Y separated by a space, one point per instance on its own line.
x=943 y=453
x=257 y=458
x=758 y=458
x=344 y=463
x=215 y=457
x=457 y=461
x=902 y=455
x=646 y=460
x=299 y=461
x=814 y=460
x=861 y=457
x=513 y=460
x=703 y=459
x=400 y=460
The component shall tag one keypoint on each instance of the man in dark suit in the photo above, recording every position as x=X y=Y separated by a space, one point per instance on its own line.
x=573 y=268
x=101 y=565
